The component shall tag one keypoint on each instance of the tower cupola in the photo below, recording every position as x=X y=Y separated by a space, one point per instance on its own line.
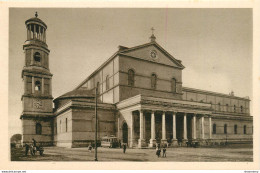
x=36 y=29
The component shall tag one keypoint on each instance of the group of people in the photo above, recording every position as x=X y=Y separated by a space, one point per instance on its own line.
x=31 y=147
x=158 y=151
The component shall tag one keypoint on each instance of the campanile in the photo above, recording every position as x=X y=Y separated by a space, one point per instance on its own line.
x=37 y=115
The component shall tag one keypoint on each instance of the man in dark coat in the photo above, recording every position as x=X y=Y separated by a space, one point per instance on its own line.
x=124 y=147
x=164 y=151
x=26 y=149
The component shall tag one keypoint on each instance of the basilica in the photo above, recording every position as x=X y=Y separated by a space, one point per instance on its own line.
x=141 y=101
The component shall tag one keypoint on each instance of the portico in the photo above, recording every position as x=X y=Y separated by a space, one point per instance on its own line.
x=173 y=122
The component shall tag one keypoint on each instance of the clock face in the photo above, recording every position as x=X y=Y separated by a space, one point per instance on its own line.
x=153 y=54
x=37 y=104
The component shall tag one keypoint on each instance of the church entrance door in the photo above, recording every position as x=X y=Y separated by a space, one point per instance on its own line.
x=125 y=133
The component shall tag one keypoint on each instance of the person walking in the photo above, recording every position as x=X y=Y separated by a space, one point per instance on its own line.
x=124 y=147
x=164 y=151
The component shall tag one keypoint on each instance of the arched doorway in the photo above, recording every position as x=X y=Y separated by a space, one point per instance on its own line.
x=125 y=133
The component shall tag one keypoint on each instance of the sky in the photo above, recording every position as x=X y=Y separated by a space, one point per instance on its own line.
x=214 y=45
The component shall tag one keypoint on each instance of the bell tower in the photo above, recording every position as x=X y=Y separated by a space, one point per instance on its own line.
x=37 y=115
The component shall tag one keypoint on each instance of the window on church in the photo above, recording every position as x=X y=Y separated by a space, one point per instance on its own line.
x=153 y=81
x=214 y=128
x=131 y=77
x=235 y=129
x=241 y=109
x=225 y=129
x=227 y=107
x=37 y=57
x=234 y=108
x=219 y=107
x=107 y=82
x=244 y=129
x=38 y=129
x=173 y=85
x=37 y=86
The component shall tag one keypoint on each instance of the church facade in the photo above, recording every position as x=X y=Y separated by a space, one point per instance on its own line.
x=141 y=101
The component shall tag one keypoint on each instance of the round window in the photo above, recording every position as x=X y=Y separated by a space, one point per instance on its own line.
x=153 y=54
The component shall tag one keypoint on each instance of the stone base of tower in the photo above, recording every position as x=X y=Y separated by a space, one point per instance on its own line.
x=43 y=135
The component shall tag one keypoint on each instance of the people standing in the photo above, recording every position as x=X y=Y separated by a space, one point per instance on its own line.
x=34 y=146
x=26 y=149
x=164 y=151
x=158 y=151
x=124 y=147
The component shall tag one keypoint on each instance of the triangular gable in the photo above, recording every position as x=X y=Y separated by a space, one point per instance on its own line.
x=144 y=52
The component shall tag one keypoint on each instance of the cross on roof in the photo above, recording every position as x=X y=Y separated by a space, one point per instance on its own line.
x=36 y=15
x=152 y=30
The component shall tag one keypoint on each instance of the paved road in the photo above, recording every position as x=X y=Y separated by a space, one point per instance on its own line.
x=183 y=154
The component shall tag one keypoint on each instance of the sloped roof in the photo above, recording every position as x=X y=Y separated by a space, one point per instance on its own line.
x=178 y=62
x=79 y=93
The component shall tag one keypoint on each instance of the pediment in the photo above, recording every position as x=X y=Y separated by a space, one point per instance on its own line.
x=152 y=52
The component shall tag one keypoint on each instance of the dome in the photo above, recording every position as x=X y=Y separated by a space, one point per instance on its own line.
x=35 y=20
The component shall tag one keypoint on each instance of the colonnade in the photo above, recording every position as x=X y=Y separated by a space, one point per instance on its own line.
x=141 y=140
x=36 y=32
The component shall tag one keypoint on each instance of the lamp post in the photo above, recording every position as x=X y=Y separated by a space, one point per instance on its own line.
x=96 y=123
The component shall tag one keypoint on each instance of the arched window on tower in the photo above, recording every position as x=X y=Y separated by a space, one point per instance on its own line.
x=37 y=86
x=37 y=57
x=153 y=81
x=173 y=85
x=131 y=77
x=107 y=82
x=235 y=129
x=241 y=109
x=38 y=129
x=225 y=129
x=235 y=108
x=214 y=128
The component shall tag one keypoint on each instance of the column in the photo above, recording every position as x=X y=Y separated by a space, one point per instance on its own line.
x=173 y=126
x=141 y=138
x=144 y=126
x=202 y=127
x=152 y=140
x=210 y=132
x=30 y=31
x=32 y=84
x=174 y=140
x=44 y=35
x=194 y=126
x=185 y=127
x=163 y=128
x=42 y=85
x=118 y=127
x=34 y=31
x=32 y=52
x=132 y=130
x=25 y=84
